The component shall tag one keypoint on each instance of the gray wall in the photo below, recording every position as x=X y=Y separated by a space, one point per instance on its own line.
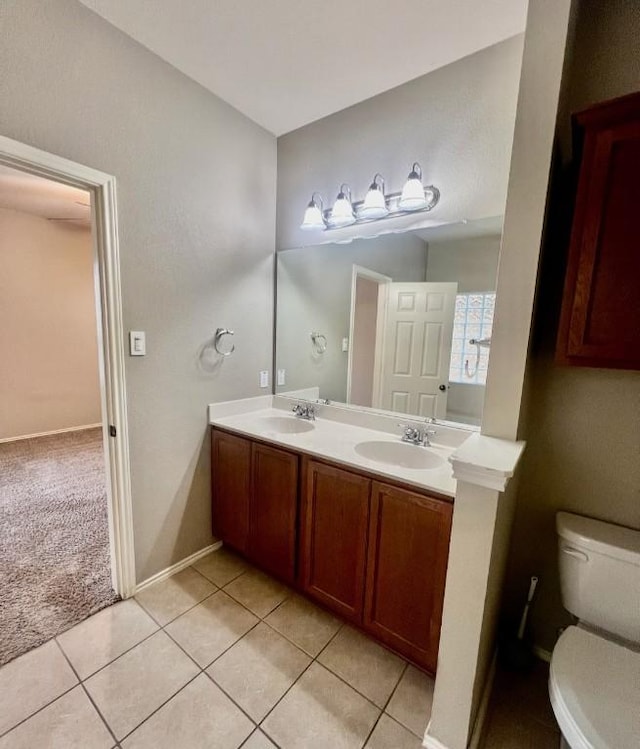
x=583 y=424
x=314 y=294
x=473 y=263
x=456 y=121
x=193 y=256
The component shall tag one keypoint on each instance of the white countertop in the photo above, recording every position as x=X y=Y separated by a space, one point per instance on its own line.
x=467 y=455
x=336 y=441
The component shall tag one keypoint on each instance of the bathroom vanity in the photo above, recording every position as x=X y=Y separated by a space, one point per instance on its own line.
x=369 y=544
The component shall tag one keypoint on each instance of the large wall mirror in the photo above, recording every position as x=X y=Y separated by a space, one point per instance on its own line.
x=398 y=322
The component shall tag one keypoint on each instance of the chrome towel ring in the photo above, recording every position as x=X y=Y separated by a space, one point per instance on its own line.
x=220 y=333
x=319 y=342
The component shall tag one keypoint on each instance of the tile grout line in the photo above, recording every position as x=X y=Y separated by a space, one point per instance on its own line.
x=151 y=714
x=202 y=669
x=313 y=660
x=411 y=731
x=213 y=582
x=117 y=658
x=86 y=678
x=197 y=603
x=355 y=689
x=86 y=691
x=386 y=704
x=263 y=619
x=40 y=709
x=226 y=694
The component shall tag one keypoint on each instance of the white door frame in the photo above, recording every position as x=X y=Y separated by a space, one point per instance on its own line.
x=359 y=271
x=110 y=340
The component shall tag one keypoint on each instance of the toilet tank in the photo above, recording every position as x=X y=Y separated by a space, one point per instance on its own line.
x=600 y=574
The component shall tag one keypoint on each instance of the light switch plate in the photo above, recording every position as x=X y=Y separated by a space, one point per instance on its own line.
x=264 y=378
x=137 y=343
x=282 y=380
x=345 y=344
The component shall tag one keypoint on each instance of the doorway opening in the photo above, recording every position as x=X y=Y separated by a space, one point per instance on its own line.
x=67 y=539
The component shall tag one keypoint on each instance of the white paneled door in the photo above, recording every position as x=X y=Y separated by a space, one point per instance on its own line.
x=416 y=348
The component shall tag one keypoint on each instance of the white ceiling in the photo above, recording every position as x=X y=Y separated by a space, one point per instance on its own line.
x=285 y=63
x=42 y=197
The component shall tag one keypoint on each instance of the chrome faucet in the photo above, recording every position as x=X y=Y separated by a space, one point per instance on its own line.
x=417 y=434
x=306 y=411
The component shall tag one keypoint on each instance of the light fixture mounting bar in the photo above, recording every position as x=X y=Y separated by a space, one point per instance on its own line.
x=432 y=195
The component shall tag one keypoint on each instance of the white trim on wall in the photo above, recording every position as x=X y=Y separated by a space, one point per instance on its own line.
x=49 y=433
x=177 y=567
x=111 y=343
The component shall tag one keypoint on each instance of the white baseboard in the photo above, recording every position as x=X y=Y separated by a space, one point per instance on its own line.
x=186 y=562
x=47 y=434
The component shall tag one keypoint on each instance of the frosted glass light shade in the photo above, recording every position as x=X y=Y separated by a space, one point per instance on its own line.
x=413 y=197
x=342 y=211
x=374 y=205
x=313 y=218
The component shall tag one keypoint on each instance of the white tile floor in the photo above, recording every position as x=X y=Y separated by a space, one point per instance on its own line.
x=219 y=656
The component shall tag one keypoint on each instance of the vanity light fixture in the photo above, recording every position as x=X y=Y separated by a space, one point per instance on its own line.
x=413 y=196
x=314 y=214
x=376 y=205
x=342 y=212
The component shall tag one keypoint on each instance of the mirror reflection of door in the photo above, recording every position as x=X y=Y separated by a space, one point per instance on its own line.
x=415 y=349
x=368 y=298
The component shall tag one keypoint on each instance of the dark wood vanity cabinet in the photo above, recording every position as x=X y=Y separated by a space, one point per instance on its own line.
x=333 y=543
x=255 y=501
x=600 y=319
x=374 y=553
x=231 y=488
x=273 y=510
x=406 y=568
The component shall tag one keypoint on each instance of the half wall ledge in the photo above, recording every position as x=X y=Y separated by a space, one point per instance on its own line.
x=486 y=461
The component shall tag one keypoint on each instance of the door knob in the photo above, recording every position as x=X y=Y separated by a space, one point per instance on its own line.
x=442 y=388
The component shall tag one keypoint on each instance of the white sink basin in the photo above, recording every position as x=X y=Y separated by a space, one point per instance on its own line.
x=286 y=424
x=399 y=454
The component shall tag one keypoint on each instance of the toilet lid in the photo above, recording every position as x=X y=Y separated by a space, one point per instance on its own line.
x=594 y=685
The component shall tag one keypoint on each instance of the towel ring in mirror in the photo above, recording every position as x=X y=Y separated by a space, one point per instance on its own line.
x=319 y=342
x=220 y=333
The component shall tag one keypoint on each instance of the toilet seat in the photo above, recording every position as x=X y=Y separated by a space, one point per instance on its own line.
x=594 y=686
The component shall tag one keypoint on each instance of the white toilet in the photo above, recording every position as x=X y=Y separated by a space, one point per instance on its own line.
x=594 y=680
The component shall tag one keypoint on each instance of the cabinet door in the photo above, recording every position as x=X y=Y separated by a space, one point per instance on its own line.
x=406 y=568
x=274 y=501
x=600 y=321
x=335 y=516
x=230 y=473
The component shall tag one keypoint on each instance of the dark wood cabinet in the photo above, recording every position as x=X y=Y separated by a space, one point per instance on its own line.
x=600 y=319
x=255 y=501
x=372 y=552
x=406 y=569
x=273 y=510
x=231 y=488
x=335 y=518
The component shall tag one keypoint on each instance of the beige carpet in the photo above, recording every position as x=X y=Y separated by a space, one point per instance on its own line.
x=54 y=538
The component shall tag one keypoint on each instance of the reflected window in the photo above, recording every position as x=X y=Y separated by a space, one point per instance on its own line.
x=473 y=319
